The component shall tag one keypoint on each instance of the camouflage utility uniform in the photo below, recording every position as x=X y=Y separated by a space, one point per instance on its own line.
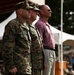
x=16 y=47
x=36 y=51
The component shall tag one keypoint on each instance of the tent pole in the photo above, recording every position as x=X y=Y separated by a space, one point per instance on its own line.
x=58 y=48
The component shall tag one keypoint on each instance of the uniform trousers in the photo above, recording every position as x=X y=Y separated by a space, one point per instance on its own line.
x=49 y=60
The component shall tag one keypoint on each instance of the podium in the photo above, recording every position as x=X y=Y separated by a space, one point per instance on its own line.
x=58 y=67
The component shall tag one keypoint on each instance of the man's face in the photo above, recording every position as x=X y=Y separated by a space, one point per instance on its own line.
x=33 y=15
x=26 y=13
x=47 y=11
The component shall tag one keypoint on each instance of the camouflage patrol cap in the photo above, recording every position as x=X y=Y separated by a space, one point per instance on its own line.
x=23 y=4
x=34 y=7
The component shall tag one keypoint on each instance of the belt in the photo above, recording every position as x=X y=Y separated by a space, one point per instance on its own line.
x=49 y=48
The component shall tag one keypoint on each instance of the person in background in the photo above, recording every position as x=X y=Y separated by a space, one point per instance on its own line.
x=36 y=47
x=47 y=39
x=16 y=43
x=72 y=61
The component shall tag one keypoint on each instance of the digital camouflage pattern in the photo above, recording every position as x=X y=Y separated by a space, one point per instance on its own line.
x=16 y=47
x=36 y=49
x=21 y=47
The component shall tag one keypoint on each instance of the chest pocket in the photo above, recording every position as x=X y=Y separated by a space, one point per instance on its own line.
x=23 y=35
x=35 y=37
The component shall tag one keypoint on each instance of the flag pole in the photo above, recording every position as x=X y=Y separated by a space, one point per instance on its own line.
x=61 y=37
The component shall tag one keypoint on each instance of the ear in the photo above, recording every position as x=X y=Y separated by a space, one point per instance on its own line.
x=41 y=12
x=20 y=11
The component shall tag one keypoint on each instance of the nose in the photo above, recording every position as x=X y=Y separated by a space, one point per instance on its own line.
x=50 y=11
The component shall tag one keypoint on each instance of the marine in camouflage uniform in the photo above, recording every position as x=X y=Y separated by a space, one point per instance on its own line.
x=36 y=44
x=16 y=43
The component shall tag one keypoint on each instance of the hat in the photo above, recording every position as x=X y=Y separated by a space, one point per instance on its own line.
x=23 y=4
x=34 y=7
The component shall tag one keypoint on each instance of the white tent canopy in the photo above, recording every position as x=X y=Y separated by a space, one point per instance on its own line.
x=67 y=39
x=2 y=24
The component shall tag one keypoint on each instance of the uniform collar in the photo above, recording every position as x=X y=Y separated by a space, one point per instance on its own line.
x=25 y=25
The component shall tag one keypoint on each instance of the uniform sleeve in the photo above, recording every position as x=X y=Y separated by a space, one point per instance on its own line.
x=8 y=43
